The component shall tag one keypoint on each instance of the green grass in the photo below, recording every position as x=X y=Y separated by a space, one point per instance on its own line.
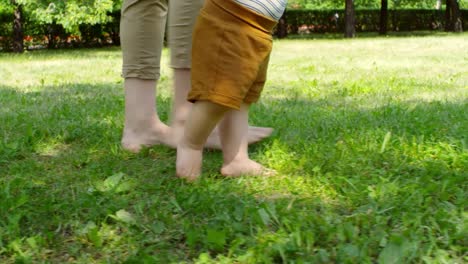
x=370 y=145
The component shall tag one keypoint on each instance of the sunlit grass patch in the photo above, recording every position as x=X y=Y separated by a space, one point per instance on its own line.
x=370 y=148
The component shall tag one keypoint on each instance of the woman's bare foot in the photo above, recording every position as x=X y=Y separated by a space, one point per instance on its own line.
x=148 y=135
x=134 y=139
x=142 y=125
x=246 y=166
x=254 y=135
x=189 y=162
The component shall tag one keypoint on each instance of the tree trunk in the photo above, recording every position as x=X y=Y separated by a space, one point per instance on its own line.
x=350 y=19
x=282 y=30
x=448 y=16
x=383 y=17
x=457 y=25
x=18 y=34
x=453 y=20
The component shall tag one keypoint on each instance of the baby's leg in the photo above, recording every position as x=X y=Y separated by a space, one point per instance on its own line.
x=181 y=109
x=233 y=135
x=203 y=118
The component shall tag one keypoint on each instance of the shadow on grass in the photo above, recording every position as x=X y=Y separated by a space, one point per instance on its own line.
x=349 y=177
x=359 y=35
x=71 y=52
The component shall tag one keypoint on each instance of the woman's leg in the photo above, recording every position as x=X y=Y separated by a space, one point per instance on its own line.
x=182 y=17
x=142 y=125
x=142 y=33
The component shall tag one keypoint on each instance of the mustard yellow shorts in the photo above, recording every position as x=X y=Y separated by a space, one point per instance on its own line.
x=230 y=53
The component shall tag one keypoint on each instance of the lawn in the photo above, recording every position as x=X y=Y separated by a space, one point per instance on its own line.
x=370 y=145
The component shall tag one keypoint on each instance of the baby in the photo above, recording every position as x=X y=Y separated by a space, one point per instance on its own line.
x=230 y=53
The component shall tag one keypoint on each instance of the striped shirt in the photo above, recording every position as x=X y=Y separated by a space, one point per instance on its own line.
x=270 y=8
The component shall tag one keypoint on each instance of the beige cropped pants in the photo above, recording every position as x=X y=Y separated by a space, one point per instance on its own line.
x=142 y=29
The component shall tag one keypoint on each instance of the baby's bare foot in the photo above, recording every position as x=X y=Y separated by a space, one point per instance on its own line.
x=254 y=134
x=189 y=162
x=241 y=167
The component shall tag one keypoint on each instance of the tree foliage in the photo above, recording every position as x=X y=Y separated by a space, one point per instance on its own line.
x=367 y=4
x=68 y=13
x=71 y=13
x=71 y=16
